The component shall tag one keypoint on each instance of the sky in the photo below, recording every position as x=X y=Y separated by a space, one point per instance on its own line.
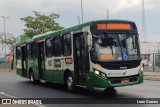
x=69 y=10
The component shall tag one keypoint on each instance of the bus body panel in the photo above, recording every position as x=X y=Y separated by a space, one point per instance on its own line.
x=33 y=65
x=117 y=73
x=95 y=81
x=19 y=67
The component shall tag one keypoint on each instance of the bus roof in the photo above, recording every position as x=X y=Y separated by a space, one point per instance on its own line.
x=63 y=31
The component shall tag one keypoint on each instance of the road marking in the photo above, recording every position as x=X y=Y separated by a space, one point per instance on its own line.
x=7 y=95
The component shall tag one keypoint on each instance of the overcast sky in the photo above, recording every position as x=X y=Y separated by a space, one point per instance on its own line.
x=69 y=10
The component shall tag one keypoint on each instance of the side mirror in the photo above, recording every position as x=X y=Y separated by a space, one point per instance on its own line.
x=89 y=40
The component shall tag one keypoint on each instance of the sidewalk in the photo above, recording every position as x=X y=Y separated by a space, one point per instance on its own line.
x=155 y=76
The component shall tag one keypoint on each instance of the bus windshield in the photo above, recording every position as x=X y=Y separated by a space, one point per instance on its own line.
x=115 y=47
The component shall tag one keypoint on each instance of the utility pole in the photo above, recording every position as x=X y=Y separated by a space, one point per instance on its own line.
x=144 y=31
x=78 y=19
x=82 y=10
x=107 y=13
x=5 y=33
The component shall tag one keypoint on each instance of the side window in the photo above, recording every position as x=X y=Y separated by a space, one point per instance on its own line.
x=49 y=50
x=67 y=48
x=18 y=52
x=57 y=46
x=29 y=50
x=34 y=50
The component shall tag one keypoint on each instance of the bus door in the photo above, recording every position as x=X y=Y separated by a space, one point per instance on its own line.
x=41 y=59
x=81 y=57
x=23 y=59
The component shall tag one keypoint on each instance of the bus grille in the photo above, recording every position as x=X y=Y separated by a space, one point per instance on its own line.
x=116 y=65
x=117 y=80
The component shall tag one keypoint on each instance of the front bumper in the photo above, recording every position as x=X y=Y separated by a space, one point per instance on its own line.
x=94 y=80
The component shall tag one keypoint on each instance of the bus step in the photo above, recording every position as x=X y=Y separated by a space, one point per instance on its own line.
x=43 y=81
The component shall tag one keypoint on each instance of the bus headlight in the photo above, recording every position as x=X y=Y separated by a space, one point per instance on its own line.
x=101 y=74
x=97 y=72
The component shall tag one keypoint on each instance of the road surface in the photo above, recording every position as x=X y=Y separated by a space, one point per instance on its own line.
x=20 y=87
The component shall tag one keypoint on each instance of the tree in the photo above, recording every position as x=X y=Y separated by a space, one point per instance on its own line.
x=40 y=24
x=9 y=40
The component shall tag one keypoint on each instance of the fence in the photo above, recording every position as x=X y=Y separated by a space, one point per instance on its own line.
x=5 y=65
x=153 y=65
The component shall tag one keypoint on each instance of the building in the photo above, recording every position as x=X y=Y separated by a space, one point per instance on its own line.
x=150 y=53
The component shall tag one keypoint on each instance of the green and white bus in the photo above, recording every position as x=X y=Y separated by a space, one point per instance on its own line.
x=102 y=54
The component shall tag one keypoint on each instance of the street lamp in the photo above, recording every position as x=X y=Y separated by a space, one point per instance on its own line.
x=5 y=32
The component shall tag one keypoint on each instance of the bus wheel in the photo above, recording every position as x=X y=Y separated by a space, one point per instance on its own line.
x=32 y=80
x=69 y=82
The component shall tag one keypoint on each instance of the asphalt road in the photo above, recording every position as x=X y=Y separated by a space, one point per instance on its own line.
x=20 y=87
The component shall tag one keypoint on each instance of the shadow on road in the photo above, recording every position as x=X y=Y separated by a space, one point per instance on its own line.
x=93 y=93
x=98 y=93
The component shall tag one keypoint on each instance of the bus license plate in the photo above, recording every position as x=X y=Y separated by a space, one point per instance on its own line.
x=125 y=81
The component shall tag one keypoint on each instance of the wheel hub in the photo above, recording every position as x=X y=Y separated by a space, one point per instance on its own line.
x=70 y=82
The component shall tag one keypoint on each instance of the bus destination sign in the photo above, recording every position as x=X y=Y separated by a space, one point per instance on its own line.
x=113 y=26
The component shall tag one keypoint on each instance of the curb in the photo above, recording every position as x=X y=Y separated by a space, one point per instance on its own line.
x=152 y=77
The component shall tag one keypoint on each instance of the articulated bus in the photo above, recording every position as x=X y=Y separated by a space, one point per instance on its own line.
x=96 y=54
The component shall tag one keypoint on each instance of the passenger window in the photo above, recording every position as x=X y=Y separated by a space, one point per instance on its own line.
x=49 y=50
x=32 y=50
x=29 y=50
x=57 y=46
x=67 y=48
x=18 y=52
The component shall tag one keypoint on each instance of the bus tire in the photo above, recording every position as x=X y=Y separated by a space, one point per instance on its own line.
x=69 y=82
x=31 y=77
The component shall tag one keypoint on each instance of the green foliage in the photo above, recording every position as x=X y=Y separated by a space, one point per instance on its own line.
x=9 y=40
x=24 y=38
x=40 y=24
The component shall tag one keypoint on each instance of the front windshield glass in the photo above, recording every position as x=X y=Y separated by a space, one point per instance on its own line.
x=115 y=47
